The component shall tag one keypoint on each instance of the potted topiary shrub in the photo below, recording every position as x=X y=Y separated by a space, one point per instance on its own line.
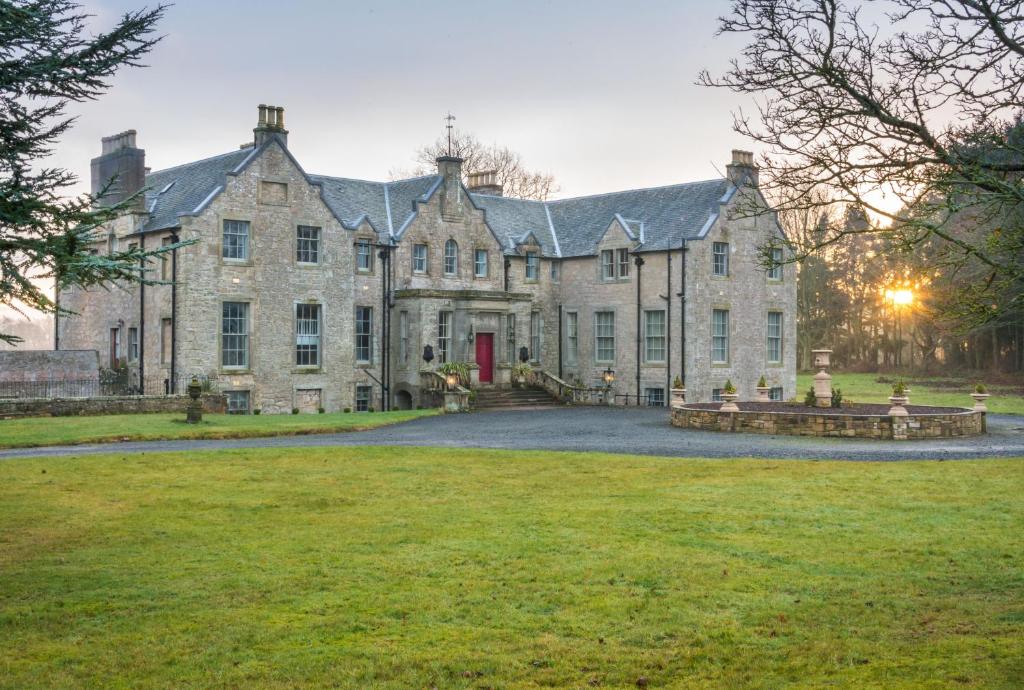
x=678 y=392
x=898 y=399
x=520 y=374
x=980 y=395
x=729 y=395
x=762 y=390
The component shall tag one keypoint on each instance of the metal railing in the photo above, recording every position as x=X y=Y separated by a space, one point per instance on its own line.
x=106 y=384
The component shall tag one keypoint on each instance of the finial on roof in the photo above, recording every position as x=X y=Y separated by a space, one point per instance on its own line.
x=450 y=118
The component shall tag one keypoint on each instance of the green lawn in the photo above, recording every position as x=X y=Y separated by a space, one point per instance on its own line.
x=418 y=568
x=943 y=391
x=47 y=431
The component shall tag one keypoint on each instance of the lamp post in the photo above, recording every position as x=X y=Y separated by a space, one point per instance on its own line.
x=608 y=376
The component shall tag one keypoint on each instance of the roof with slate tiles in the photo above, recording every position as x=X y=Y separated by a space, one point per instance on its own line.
x=658 y=218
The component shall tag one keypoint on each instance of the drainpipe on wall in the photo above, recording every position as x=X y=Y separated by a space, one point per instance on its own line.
x=174 y=314
x=560 y=341
x=682 y=309
x=668 y=325
x=56 y=313
x=142 y=317
x=508 y=265
x=639 y=261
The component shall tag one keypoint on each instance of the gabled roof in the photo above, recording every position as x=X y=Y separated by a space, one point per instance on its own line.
x=185 y=188
x=658 y=218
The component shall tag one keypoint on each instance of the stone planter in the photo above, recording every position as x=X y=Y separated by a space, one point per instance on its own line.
x=979 y=401
x=678 y=397
x=729 y=403
x=898 y=402
x=762 y=393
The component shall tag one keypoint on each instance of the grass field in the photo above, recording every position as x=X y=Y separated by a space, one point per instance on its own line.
x=46 y=431
x=928 y=390
x=419 y=568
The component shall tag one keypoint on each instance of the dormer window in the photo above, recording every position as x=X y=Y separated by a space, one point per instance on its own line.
x=364 y=256
x=532 y=265
x=451 y=258
x=615 y=264
x=623 y=263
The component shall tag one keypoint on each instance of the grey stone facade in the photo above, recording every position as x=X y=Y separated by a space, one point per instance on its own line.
x=264 y=188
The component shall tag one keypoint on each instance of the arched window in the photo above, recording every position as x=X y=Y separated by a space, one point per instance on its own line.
x=451 y=258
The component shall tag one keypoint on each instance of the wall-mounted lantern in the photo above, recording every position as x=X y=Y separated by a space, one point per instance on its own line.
x=524 y=354
x=428 y=354
x=470 y=336
x=609 y=376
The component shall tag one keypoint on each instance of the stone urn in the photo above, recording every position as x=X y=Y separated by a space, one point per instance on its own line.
x=762 y=393
x=194 y=411
x=898 y=402
x=729 y=402
x=678 y=397
x=979 y=401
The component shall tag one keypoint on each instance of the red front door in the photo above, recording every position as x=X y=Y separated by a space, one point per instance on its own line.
x=485 y=356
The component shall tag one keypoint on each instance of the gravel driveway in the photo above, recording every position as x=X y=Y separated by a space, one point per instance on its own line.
x=606 y=429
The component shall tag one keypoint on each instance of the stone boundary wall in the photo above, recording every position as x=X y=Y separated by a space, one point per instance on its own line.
x=883 y=427
x=18 y=366
x=213 y=403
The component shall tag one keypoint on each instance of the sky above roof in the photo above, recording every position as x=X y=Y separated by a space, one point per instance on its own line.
x=599 y=94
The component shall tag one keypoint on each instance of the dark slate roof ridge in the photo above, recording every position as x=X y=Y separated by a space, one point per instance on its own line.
x=357 y=179
x=198 y=161
x=630 y=191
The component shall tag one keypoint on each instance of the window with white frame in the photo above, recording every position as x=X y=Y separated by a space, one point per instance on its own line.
x=535 y=336
x=775 y=393
x=364 y=256
x=234 y=335
x=510 y=338
x=363 y=395
x=364 y=334
x=235 y=245
x=307 y=244
x=720 y=258
x=572 y=337
x=655 y=397
x=532 y=265
x=775 y=269
x=654 y=336
x=444 y=336
x=775 y=337
x=238 y=402
x=604 y=336
x=607 y=264
x=480 y=263
x=716 y=395
x=720 y=336
x=419 y=258
x=307 y=335
x=623 y=263
x=403 y=337
x=451 y=258
x=133 y=344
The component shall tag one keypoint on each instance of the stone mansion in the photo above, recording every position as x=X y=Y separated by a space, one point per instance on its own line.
x=308 y=291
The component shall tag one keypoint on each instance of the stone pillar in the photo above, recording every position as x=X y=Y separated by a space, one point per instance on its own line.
x=822 y=380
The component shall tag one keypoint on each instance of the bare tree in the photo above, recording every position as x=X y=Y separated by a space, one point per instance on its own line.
x=515 y=179
x=918 y=122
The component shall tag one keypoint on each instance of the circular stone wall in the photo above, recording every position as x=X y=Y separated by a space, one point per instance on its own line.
x=859 y=421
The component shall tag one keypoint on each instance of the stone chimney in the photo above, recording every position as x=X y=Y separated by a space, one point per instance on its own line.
x=270 y=123
x=742 y=170
x=450 y=170
x=122 y=166
x=484 y=182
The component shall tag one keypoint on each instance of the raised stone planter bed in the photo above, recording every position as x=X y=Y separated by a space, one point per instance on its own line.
x=857 y=421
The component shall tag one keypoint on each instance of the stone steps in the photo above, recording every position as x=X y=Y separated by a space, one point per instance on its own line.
x=513 y=397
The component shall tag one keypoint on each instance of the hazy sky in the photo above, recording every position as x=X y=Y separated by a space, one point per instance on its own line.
x=600 y=94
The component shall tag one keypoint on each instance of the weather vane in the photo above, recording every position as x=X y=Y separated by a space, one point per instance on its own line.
x=450 y=119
